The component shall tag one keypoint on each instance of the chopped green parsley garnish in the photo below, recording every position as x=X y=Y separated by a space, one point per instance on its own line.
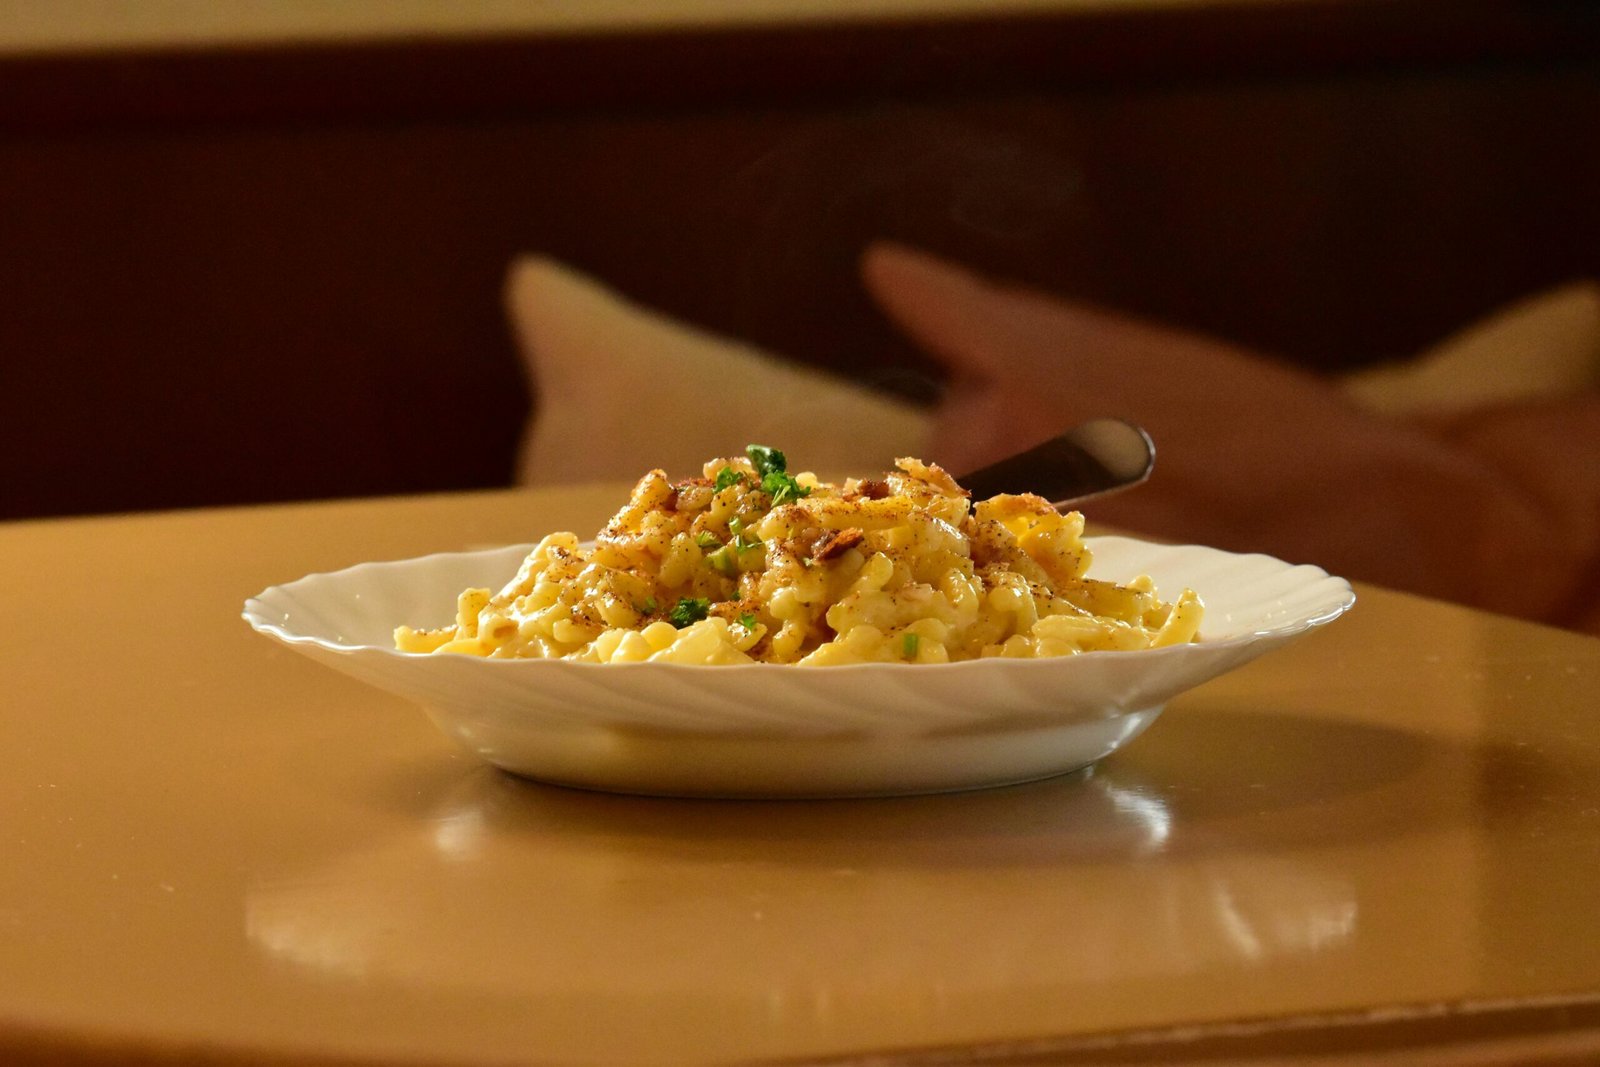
x=748 y=620
x=908 y=645
x=783 y=488
x=728 y=476
x=772 y=467
x=767 y=460
x=690 y=609
x=648 y=607
x=743 y=539
x=707 y=539
x=723 y=561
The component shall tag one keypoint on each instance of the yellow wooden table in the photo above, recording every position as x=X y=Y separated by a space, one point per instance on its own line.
x=1381 y=844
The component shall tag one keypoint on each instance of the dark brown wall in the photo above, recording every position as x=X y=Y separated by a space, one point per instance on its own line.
x=252 y=277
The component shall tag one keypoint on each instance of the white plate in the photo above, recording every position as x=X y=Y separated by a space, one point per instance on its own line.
x=765 y=730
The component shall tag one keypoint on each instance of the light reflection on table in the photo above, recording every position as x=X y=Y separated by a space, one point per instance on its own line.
x=715 y=898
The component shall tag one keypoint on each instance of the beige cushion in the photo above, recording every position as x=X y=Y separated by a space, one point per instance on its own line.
x=1542 y=348
x=623 y=389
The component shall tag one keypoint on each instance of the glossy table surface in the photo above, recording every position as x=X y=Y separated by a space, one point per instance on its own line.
x=1383 y=840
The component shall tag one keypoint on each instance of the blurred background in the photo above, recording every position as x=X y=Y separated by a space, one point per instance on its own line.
x=255 y=252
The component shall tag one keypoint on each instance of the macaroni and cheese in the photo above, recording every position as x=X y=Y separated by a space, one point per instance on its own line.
x=749 y=563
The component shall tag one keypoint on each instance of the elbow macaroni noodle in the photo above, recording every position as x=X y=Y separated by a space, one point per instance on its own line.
x=734 y=567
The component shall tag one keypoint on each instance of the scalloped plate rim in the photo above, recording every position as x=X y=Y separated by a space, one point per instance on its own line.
x=261 y=622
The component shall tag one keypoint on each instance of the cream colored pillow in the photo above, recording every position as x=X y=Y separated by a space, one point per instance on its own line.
x=1541 y=348
x=623 y=389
